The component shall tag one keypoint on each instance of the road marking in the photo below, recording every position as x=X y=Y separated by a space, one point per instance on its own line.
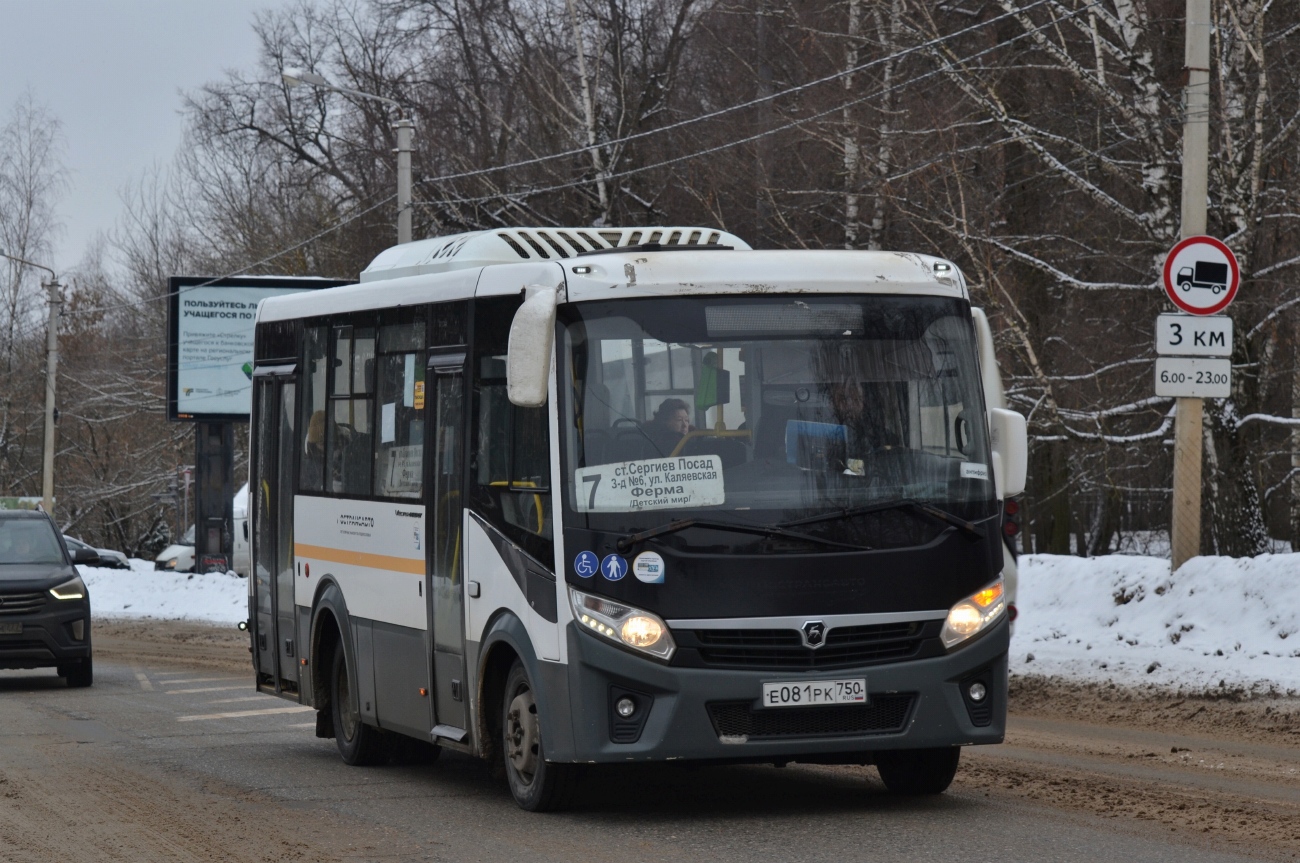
x=143 y=678
x=303 y=725
x=170 y=673
x=269 y=698
x=202 y=680
x=239 y=714
x=206 y=689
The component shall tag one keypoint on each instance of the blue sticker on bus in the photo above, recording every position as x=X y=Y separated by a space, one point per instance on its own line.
x=613 y=567
x=585 y=564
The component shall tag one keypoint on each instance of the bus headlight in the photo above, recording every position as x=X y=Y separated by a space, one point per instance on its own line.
x=973 y=615
x=622 y=624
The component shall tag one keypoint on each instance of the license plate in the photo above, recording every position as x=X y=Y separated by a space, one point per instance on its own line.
x=11 y=629
x=805 y=693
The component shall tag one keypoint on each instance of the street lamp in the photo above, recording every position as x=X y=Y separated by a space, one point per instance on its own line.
x=404 y=127
x=52 y=287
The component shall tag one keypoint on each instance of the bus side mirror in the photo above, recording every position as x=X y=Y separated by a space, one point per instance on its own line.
x=1010 y=444
x=528 y=360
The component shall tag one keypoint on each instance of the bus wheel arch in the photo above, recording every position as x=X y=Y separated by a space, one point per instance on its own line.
x=505 y=641
x=328 y=636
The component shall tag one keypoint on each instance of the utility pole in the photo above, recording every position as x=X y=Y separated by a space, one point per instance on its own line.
x=54 y=289
x=1185 y=527
x=405 y=129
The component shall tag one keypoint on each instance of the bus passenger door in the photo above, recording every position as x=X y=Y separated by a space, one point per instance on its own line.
x=272 y=492
x=446 y=560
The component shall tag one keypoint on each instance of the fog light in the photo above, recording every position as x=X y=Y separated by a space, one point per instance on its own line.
x=78 y=630
x=625 y=707
x=977 y=692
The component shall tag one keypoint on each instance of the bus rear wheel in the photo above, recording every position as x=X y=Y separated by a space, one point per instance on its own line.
x=918 y=771
x=537 y=785
x=358 y=743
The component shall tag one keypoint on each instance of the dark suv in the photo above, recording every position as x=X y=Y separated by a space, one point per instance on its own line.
x=44 y=604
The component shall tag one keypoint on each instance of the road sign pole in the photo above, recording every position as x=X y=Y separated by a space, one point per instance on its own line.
x=1185 y=526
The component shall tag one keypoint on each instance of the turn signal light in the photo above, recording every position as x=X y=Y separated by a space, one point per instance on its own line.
x=987 y=596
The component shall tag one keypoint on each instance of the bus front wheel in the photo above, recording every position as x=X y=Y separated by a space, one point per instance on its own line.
x=537 y=785
x=918 y=771
x=358 y=743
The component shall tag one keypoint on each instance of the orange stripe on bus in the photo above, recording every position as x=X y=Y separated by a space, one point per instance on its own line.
x=359 y=558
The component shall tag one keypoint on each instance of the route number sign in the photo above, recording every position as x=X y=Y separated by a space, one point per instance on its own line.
x=1194 y=336
x=1194 y=377
x=1201 y=276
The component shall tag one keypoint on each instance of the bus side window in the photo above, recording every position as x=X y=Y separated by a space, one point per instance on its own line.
x=311 y=476
x=349 y=433
x=512 y=466
x=399 y=459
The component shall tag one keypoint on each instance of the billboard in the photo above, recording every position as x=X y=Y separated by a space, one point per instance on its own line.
x=210 y=326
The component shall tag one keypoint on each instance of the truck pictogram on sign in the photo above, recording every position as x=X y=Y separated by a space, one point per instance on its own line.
x=1210 y=275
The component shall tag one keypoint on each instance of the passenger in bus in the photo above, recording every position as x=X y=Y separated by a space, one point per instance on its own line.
x=313 y=454
x=671 y=423
x=868 y=424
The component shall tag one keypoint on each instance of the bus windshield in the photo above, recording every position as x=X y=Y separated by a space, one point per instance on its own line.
x=770 y=410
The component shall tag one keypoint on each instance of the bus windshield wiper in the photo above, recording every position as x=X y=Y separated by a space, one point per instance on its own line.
x=758 y=529
x=904 y=503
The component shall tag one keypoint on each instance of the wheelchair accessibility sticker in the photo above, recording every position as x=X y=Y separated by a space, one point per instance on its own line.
x=585 y=564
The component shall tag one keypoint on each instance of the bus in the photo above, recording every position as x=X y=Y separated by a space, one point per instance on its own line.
x=570 y=497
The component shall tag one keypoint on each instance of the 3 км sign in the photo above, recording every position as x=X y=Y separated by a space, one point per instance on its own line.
x=210 y=325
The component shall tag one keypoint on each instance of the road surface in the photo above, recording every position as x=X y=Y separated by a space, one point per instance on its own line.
x=173 y=756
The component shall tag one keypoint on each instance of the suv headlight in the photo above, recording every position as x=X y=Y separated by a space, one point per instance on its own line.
x=623 y=624
x=974 y=614
x=74 y=589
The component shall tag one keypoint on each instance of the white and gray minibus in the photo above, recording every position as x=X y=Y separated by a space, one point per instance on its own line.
x=566 y=497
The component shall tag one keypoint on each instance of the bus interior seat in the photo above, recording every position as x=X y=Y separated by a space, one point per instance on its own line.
x=730 y=450
x=769 y=437
x=595 y=444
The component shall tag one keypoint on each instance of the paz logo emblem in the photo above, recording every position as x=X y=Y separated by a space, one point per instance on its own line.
x=814 y=634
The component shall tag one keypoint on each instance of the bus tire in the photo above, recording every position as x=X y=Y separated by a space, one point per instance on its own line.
x=537 y=785
x=359 y=744
x=918 y=771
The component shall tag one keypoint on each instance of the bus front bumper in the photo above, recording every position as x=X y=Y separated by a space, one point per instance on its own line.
x=717 y=714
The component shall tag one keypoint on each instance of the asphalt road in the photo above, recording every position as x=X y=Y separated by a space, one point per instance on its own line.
x=174 y=761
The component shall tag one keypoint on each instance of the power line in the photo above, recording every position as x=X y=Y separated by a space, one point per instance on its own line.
x=929 y=44
x=246 y=267
x=844 y=73
x=735 y=142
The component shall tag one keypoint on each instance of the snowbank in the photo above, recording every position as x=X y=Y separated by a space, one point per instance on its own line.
x=1220 y=624
x=145 y=592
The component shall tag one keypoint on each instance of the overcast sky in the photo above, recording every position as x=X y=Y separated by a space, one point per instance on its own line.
x=112 y=71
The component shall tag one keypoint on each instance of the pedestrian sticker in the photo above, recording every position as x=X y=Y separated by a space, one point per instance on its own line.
x=648 y=567
x=660 y=483
x=585 y=564
x=613 y=567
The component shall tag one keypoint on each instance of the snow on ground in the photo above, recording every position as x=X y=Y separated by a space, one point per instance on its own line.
x=145 y=592
x=1219 y=625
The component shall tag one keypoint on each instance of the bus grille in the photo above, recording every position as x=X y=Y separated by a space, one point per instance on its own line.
x=884 y=714
x=21 y=603
x=783 y=648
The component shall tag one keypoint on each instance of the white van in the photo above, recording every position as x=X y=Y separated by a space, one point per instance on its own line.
x=179 y=556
